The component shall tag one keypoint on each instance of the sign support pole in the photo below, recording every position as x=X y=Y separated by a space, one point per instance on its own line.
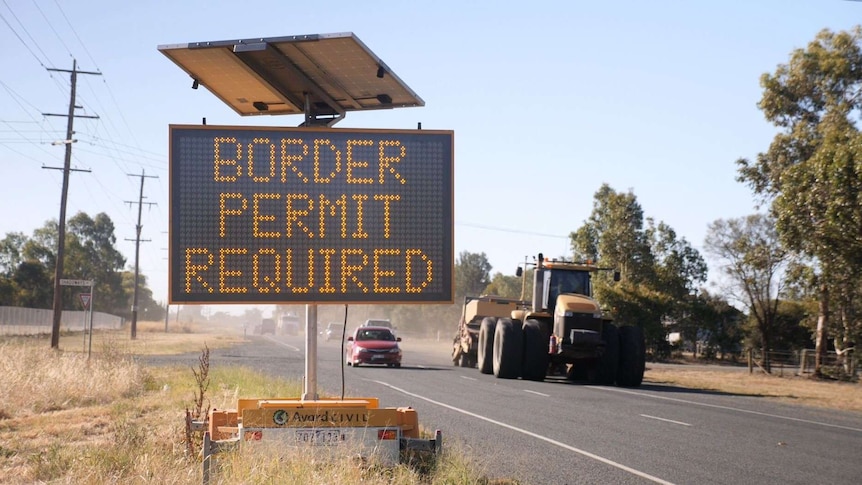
x=84 y=328
x=310 y=390
x=92 y=297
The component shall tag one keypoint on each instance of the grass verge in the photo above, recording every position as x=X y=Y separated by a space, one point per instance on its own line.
x=68 y=419
x=844 y=396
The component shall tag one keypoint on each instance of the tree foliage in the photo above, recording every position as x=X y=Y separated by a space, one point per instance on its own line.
x=753 y=259
x=812 y=172
x=472 y=274
x=27 y=267
x=613 y=234
x=90 y=254
x=659 y=271
x=510 y=286
x=721 y=326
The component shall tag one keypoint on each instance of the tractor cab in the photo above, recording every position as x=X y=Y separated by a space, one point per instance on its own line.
x=564 y=280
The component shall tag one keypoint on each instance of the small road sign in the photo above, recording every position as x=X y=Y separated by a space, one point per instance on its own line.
x=64 y=282
x=85 y=300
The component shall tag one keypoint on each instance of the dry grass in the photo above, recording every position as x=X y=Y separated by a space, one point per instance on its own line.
x=308 y=467
x=40 y=381
x=150 y=339
x=788 y=388
x=68 y=419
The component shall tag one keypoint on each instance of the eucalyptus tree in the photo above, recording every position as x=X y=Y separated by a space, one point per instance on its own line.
x=810 y=173
x=472 y=273
x=659 y=271
x=751 y=256
x=92 y=254
x=511 y=286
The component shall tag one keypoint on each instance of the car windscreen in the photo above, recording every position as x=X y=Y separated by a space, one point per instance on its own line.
x=375 y=335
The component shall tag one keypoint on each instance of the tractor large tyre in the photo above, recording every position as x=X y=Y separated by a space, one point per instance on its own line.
x=486 y=345
x=632 y=357
x=536 y=341
x=605 y=372
x=508 y=349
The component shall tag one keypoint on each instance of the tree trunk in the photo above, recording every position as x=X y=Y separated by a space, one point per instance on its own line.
x=820 y=337
x=764 y=350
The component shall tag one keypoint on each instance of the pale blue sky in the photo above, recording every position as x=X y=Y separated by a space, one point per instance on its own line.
x=548 y=100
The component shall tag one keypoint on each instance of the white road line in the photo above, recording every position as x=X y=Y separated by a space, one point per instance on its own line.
x=537 y=393
x=665 y=420
x=534 y=435
x=291 y=347
x=468 y=378
x=727 y=408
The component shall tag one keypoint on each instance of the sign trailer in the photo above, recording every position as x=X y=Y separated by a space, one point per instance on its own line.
x=308 y=215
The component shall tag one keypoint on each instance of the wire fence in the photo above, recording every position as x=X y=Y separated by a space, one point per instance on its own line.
x=34 y=321
x=802 y=362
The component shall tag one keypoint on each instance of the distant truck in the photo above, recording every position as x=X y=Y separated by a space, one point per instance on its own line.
x=288 y=324
x=378 y=322
x=563 y=330
x=266 y=326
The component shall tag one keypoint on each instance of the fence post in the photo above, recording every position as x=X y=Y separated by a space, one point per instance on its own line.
x=751 y=361
x=802 y=361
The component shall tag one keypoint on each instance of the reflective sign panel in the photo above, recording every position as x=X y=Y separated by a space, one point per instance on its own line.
x=270 y=215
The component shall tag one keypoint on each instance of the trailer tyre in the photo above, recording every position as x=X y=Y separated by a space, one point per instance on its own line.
x=632 y=357
x=535 y=351
x=486 y=345
x=508 y=349
x=605 y=372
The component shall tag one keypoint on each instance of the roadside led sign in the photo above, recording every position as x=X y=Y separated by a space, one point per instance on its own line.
x=310 y=215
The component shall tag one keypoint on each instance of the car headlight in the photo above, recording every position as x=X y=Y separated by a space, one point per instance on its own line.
x=569 y=313
x=395 y=350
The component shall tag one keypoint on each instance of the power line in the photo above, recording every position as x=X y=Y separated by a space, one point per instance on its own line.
x=76 y=35
x=36 y=4
x=24 y=43
x=506 y=229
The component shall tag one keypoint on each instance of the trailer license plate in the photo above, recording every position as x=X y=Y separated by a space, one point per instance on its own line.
x=320 y=437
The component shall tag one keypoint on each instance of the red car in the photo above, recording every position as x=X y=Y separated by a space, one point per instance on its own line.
x=373 y=345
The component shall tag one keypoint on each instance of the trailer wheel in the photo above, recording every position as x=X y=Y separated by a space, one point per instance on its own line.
x=632 y=357
x=605 y=371
x=535 y=351
x=486 y=345
x=508 y=349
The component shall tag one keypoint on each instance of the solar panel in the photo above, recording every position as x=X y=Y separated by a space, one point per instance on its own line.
x=321 y=75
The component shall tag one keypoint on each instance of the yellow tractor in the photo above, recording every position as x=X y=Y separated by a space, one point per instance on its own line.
x=563 y=330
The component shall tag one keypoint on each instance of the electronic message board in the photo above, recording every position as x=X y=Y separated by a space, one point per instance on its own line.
x=310 y=215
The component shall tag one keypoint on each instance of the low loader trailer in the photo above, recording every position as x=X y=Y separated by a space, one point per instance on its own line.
x=563 y=330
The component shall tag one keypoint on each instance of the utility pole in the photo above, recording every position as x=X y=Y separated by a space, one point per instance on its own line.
x=61 y=232
x=138 y=250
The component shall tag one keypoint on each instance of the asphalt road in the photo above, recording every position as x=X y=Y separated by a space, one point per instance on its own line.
x=557 y=432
